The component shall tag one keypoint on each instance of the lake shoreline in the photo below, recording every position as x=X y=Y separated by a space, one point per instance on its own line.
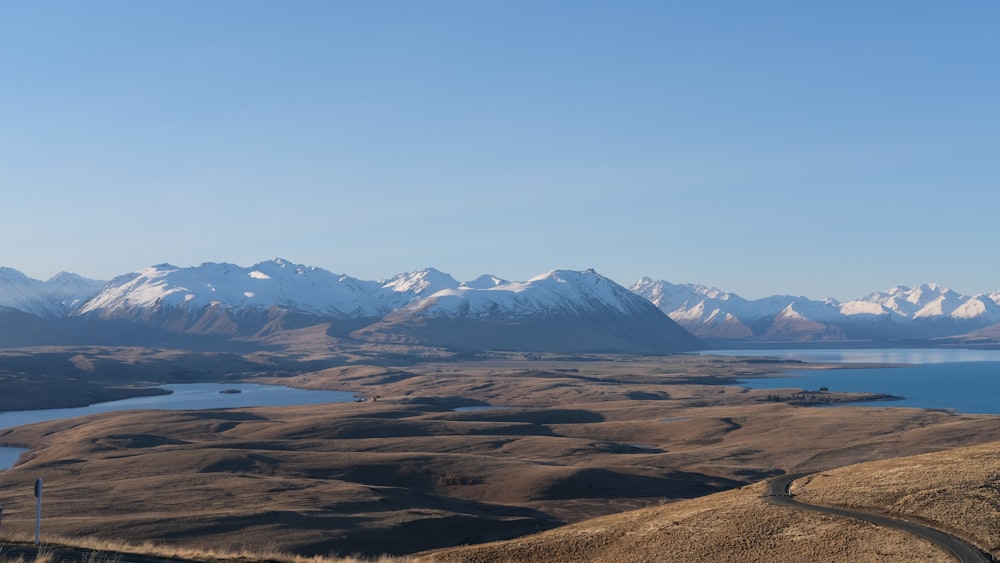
x=22 y=393
x=916 y=380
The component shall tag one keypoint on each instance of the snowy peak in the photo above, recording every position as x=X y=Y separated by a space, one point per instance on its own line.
x=264 y=285
x=789 y=312
x=421 y=281
x=429 y=292
x=561 y=310
x=276 y=269
x=51 y=298
x=671 y=297
x=925 y=311
x=200 y=295
x=556 y=293
x=980 y=306
x=12 y=277
x=583 y=291
x=403 y=289
x=924 y=301
x=485 y=281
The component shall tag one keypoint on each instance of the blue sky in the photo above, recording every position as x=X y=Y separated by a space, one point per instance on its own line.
x=819 y=149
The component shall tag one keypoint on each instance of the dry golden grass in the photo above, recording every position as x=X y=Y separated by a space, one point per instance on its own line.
x=956 y=490
x=407 y=474
x=731 y=526
x=91 y=550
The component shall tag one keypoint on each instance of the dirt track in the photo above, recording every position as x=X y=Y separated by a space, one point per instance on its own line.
x=778 y=494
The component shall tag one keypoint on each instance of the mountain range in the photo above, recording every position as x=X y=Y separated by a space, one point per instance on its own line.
x=559 y=311
x=928 y=311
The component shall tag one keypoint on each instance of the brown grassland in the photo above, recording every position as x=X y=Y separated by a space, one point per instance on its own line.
x=954 y=490
x=607 y=459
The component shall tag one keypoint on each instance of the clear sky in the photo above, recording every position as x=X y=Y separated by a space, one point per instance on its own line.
x=812 y=148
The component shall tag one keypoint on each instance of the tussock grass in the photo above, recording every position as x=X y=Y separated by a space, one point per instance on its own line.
x=407 y=474
x=955 y=490
x=152 y=549
x=112 y=551
x=43 y=555
x=733 y=526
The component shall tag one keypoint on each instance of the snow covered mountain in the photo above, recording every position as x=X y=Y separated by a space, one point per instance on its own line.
x=564 y=310
x=559 y=292
x=53 y=298
x=558 y=311
x=403 y=289
x=485 y=281
x=275 y=283
x=926 y=311
x=926 y=301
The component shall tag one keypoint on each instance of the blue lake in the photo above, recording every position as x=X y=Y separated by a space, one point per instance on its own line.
x=8 y=457
x=872 y=355
x=190 y=396
x=967 y=381
x=187 y=396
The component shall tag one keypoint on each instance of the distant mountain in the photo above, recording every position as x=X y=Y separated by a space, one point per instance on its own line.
x=403 y=289
x=485 y=281
x=53 y=298
x=561 y=311
x=275 y=283
x=925 y=312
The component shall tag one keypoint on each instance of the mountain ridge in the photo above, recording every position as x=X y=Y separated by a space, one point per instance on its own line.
x=560 y=311
x=926 y=311
x=218 y=298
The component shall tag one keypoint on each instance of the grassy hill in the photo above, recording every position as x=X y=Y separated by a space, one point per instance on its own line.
x=408 y=474
x=955 y=490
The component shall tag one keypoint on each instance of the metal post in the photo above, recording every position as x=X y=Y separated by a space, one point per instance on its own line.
x=38 y=511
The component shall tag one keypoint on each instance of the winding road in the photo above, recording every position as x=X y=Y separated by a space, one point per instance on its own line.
x=778 y=494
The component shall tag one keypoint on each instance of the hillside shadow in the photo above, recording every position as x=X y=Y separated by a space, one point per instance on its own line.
x=423 y=522
x=533 y=416
x=604 y=483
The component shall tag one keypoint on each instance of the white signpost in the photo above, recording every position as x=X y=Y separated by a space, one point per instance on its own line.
x=38 y=511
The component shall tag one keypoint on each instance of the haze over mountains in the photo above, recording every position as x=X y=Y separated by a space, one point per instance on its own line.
x=560 y=311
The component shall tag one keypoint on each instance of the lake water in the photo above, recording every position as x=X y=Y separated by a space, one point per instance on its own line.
x=8 y=457
x=186 y=396
x=871 y=356
x=967 y=381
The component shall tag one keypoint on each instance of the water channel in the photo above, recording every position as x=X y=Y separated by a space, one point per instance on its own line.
x=186 y=396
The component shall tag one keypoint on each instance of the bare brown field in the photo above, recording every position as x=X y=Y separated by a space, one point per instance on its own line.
x=956 y=490
x=730 y=526
x=406 y=473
